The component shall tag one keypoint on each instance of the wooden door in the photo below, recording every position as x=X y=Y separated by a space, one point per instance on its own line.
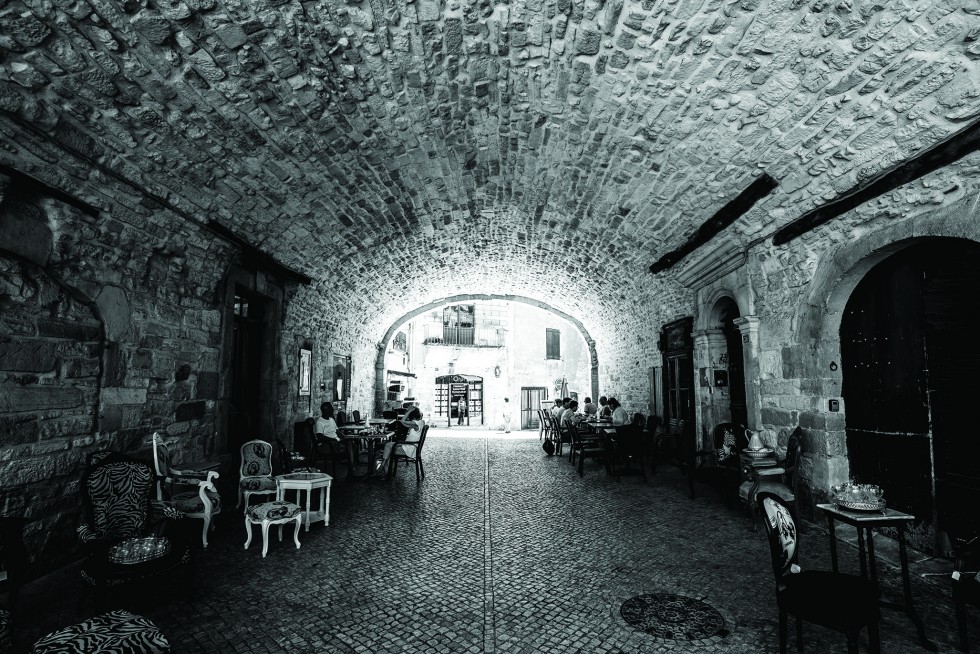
x=531 y=399
x=677 y=346
x=909 y=357
x=246 y=369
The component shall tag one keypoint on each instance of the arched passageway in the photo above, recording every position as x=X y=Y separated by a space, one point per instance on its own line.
x=379 y=384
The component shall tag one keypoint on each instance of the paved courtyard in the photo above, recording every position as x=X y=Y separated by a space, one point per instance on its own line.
x=499 y=550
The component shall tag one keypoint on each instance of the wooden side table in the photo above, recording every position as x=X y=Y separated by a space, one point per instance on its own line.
x=307 y=481
x=865 y=522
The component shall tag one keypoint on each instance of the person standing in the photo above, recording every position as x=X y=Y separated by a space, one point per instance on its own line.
x=507 y=415
x=460 y=410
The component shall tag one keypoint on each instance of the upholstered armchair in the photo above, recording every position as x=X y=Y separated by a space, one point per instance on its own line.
x=119 y=512
x=192 y=492
x=255 y=472
x=117 y=631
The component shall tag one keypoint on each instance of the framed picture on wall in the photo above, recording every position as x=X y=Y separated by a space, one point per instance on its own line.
x=341 y=378
x=305 y=372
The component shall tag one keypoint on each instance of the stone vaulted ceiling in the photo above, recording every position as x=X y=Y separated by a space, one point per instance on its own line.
x=431 y=147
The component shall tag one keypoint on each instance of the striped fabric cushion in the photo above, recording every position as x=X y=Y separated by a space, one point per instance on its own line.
x=117 y=631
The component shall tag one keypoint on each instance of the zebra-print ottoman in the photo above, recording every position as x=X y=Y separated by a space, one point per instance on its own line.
x=117 y=631
x=5 y=639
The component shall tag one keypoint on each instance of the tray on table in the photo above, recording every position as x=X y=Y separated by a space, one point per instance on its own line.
x=139 y=550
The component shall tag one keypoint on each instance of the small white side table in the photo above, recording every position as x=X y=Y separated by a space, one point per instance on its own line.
x=307 y=481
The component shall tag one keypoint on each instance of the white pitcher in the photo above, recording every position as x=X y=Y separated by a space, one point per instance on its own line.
x=755 y=443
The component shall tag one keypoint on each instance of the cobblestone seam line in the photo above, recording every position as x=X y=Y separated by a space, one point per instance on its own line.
x=489 y=635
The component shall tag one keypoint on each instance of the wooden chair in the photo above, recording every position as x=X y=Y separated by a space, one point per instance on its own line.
x=652 y=438
x=581 y=445
x=410 y=453
x=199 y=499
x=966 y=585
x=293 y=460
x=544 y=425
x=317 y=450
x=835 y=600
x=719 y=467
x=780 y=480
x=255 y=472
x=117 y=504
x=625 y=447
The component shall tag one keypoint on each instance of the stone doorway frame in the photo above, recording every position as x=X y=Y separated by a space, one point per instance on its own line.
x=817 y=322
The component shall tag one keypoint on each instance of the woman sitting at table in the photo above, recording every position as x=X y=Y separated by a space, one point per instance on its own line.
x=619 y=415
x=408 y=432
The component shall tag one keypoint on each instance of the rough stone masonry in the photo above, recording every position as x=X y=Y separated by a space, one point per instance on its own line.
x=397 y=152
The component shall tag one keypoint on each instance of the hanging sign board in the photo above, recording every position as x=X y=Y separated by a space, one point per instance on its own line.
x=458 y=390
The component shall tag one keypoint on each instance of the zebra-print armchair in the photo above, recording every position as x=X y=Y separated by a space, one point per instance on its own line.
x=118 y=511
x=117 y=631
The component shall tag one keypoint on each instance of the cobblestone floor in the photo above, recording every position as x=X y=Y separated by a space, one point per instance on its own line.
x=499 y=550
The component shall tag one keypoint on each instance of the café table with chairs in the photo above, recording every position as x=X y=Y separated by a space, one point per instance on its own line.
x=369 y=437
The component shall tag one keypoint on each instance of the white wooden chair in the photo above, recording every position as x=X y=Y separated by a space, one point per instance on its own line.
x=202 y=501
x=255 y=472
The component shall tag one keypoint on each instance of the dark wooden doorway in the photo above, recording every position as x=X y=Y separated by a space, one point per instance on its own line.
x=677 y=345
x=246 y=366
x=910 y=357
x=736 y=363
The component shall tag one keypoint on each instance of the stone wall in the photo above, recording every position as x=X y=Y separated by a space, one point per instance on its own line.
x=798 y=292
x=108 y=330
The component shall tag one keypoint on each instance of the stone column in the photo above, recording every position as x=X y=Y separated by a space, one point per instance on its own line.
x=748 y=327
x=707 y=345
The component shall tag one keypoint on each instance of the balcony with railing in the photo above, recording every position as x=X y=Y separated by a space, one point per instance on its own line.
x=467 y=337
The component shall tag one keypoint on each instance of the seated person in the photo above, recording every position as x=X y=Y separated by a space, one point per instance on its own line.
x=618 y=415
x=558 y=408
x=325 y=427
x=326 y=441
x=408 y=431
x=570 y=418
x=604 y=410
x=589 y=409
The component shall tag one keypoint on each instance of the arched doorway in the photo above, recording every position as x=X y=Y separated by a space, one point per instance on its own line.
x=727 y=312
x=909 y=358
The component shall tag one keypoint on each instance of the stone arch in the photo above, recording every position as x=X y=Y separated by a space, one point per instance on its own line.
x=815 y=352
x=379 y=364
x=819 y=317
x=710 y=317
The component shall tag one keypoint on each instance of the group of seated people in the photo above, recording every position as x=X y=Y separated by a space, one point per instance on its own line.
x=566 y=411
x=407 y=431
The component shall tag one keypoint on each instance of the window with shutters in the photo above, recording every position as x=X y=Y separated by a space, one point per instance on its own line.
x=552 y=344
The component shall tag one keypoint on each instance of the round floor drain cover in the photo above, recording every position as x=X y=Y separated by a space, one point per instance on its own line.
x=673 y=617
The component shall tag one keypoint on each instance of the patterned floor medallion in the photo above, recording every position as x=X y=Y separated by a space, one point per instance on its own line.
x=673 y=617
